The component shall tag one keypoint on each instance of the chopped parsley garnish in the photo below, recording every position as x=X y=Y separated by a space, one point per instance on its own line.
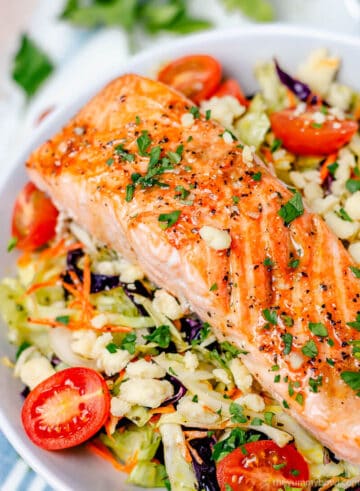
x=288 y=340
x=352 y=379
x=356 y=271
x=277 y=379
x=236 y=438
x=256 y=422
x=160 y=336
x=295 y=472
x=343 y=215
x=316 y=125
x=167 y=220
x=294 y=208
x=195 y=112
x=330 y=362
x=323 y=109
x=137 y=120
x=181 y=192
x=228 y=487
x=268 y=417
x=315 y=383
x=143 y=143
x=276 y=144
x=268 y=262
x=129 y=343
x=355 y=324
x=31 y=66
x=208 y=114
x=129 y=193
x=230 y=350
x=355 y=348
x=275 y=368
x=195 y=398
x=330 y=342
x=285 y=404
x=174 y=157
x=124 y=154
x=189 y=139
x=256 y=176
x=63 y=319
x=23 y=346
x=109 y=162
x=287 y=320
x=294 y=263
x=12 y=243
x=172 y=371
x=277 y=467
x=112 y=348
x=237 y=413
x=332 y=168
x=353 y=185
x=310 y=349
x=270 y=316
x=318 y=329
x=235 y=199
x=299 y=398
x=214 y=287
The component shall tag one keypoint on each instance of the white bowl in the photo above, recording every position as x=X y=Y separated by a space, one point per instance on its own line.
x=238 y=50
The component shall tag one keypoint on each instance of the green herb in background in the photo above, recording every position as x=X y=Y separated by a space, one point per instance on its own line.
x=31 y=66
x=259 y=10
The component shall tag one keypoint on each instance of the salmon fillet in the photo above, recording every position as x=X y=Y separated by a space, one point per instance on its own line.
x=285 y=291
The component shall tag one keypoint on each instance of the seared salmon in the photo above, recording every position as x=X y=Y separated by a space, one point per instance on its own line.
x=144 y=172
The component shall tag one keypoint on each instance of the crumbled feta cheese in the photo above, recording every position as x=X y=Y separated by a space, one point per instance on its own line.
x=112 y=363
x=354 y=144
x=99 y=321
x=187 y=120
x=144 y=369
x=243 y=379
x=167 y=305
x=36 y=370
x=354 y=250
x=352 y=206
x=119 y=407
x=339 y=96
x=222 y=375
x=225 y=110
x=227 y=137
x=254 y=402
x=318 y=117
x=194 y=412
x=300 y=109
x=298 y=179
x=342 y=228
x=191 y=361
x=312 y=191
x=296 y=360
x=319 y=70
x=248 y=155
x=146 y=392
x=215 y=238
x=83 y=342
x=323 y=205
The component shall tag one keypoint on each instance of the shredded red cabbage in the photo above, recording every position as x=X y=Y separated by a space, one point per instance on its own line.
x=179 y=391
x=301 y=90
x=206 y=471
x=191 y=326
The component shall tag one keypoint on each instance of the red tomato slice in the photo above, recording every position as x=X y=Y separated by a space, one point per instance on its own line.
x=196 y=76
x=34 y=218
x=301 y=135
x=231 y=87
x=262 y=466
x=66 y=409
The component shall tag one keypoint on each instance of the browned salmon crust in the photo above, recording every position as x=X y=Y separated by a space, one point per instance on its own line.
x=267 y=309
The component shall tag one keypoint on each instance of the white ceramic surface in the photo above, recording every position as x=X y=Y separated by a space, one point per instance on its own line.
x=238 y=50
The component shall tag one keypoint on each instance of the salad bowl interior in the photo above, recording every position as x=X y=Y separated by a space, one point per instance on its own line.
x=238 y=51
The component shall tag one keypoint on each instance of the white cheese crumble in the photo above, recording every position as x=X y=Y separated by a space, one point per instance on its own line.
x=187 y=120
x=242 y=377
x=167 y=305
x=36 y=370
x=194 y=412
x=215 y=238
x=146 y=392
x=248 y=155
x=119 y=407
x=144 y=369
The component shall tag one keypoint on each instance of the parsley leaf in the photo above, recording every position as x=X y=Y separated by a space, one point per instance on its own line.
x=294 y=263
x=195 y=112
x=355 y=324
x=124 y=154
x=310 y=349
x=31 y=66
x=353 y=185
x=129 y=193
x=256 y=176
x=236 y=438
x=214 y=287
x=181 y=192
x=318 y=329
x=237 y=413
x=160 y=336
x=112 y=348
x=129 y=343
x=12 y=243
x=332 y=168
x=63 y=319
x=288 y=340
x=352 y=379
x=343 y=215
x=315 y=383
x=23 y=346
x=167 y=220
x=270 y=316
x=268 y=262
x=276 y=144
x=292 y=209
x=356 y=271
x=143 y=143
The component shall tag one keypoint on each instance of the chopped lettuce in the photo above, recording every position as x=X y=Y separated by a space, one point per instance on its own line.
x=148 y=475
x=254 y=125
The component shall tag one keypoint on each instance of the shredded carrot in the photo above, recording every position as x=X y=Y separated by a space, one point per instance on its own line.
x=208 y=409
x=267 y=154
x=163 y=410
x=36 y=286
x=155 y=418
x=102 y=451
x=194 y=453
x=177 y=324
x=324 y=170
x=187 y=455
x=236 y=394
x=147 y=357
x=110 y=425
x=24 y=259
x=190 y=434
x=74 y=325
x=59 y=249
x=292 y=102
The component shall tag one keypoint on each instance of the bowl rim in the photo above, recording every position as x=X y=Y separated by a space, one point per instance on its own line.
x=271 y=30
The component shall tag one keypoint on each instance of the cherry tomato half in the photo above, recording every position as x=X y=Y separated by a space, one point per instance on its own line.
x=196 y=76
x=301 y=135
x=262 y=466
x=66 y=409
x=231 y=87
x=34 y=218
